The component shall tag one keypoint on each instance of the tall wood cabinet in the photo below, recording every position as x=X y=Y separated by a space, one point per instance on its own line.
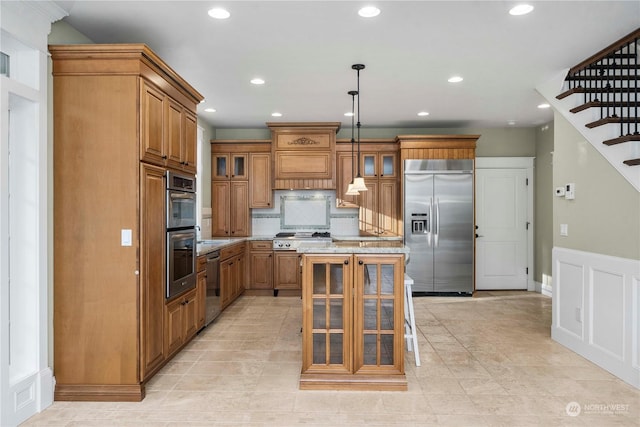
x=116 y=107
x=353 y=322
x=240 y=180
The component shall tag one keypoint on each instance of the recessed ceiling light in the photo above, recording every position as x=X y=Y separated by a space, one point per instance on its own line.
x=455 y=79
x=545 y=105
x=511 y=122
x=521 y=9
x=276 y=114
x=349 y=114
x=257 y=81
x=219 y=13
x=423 y=113
x=210 y=110
x=369 y=12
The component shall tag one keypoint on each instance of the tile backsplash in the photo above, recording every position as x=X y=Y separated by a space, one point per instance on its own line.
x=304 y=210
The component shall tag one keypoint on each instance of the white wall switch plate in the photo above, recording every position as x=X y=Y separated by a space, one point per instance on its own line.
x=564 y=229
x=126 y=237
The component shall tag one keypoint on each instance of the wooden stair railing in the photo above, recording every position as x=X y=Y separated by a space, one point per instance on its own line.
x=609 y=81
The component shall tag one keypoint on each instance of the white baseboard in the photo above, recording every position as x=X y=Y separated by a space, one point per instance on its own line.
x=596 y=299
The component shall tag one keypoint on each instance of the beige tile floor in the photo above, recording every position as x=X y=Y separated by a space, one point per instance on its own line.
x=486 y=361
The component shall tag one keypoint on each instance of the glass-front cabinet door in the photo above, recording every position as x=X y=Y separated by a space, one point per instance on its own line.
x=229 y=166
x=220 y=168
x=378 y=314
x=379 y=165
x=326 y=325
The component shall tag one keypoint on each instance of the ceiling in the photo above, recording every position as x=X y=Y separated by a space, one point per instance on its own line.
x=304 y=51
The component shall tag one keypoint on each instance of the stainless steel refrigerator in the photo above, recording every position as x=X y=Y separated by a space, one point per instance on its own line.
x=439 y=225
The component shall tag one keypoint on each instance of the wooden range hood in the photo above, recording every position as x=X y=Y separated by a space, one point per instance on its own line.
x=304 y=155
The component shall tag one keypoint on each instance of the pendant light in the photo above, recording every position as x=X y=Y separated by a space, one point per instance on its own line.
x=350 y=190
x=358 y=182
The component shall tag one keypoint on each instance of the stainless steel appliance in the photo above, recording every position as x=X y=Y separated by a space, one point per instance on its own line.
x=290 y=241
x=181 y=201
x=439 y=225
x=181 y=233
x=181 y=261
x=212 y=302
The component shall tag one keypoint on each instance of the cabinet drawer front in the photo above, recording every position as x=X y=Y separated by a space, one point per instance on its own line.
x=303 y=141
x=299 y=165
x=230 y=251
x=262 y=245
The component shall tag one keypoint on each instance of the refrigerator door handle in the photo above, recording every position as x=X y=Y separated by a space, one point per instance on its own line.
x=430 y=221
x=437 y=234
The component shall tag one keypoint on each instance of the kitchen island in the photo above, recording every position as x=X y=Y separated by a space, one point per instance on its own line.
x=353 y=315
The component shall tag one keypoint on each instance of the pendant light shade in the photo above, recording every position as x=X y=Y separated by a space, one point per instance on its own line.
x=358 y=182
x=351 y=191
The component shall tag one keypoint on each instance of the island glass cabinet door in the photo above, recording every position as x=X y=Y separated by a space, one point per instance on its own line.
x=353 y=318
x=326 y=333
x=378 y=315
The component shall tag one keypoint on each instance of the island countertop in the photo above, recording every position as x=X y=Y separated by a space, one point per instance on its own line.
x=354 y=247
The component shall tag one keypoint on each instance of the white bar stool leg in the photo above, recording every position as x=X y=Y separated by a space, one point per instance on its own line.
x=410 y=332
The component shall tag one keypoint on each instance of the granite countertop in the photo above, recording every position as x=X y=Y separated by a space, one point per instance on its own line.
x=338 y=245
x=354 y=247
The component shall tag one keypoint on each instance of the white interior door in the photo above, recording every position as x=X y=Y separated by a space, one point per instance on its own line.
x=501 y=219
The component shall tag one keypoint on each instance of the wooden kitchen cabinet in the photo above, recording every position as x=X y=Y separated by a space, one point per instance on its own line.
x=110 y=158
x=379 y=165
x=232 y=273
x=353 y=322
x=260 y=187
x=287 y=270
x=346 y=167
x=261 y=265
x=380 y=205
x=168 y=130
x=230 y=215
x=229 y=166
x=152 y=269
x=181 y=321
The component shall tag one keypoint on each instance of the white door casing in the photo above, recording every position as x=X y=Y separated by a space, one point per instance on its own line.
x=504 y=211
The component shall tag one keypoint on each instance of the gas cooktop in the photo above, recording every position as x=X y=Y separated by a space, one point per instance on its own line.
x=286 y=240
x=304 y=235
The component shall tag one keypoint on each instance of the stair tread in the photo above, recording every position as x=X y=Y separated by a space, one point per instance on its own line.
x=632 y=162
x=608 y=120
x=597 y=104
x=605 y=77
x=621 y=139
x=587 y=90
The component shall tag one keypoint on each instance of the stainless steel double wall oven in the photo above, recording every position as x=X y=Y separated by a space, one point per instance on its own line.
x=181 y=233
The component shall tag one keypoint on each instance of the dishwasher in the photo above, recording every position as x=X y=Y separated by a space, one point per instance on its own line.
x=212 y=302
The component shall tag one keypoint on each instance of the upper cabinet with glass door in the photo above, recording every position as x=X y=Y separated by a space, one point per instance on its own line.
x=379 y=165
x=229 y=167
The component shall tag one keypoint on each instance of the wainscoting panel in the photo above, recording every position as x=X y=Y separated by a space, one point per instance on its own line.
x=596 y=299
x=606 y=308
x=570 y=298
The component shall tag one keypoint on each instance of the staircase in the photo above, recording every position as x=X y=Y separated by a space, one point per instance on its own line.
x=599 y=97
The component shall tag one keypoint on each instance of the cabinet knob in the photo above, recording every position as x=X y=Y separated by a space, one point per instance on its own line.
x=346 y=262
x=360 y=262
x=164 y=157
